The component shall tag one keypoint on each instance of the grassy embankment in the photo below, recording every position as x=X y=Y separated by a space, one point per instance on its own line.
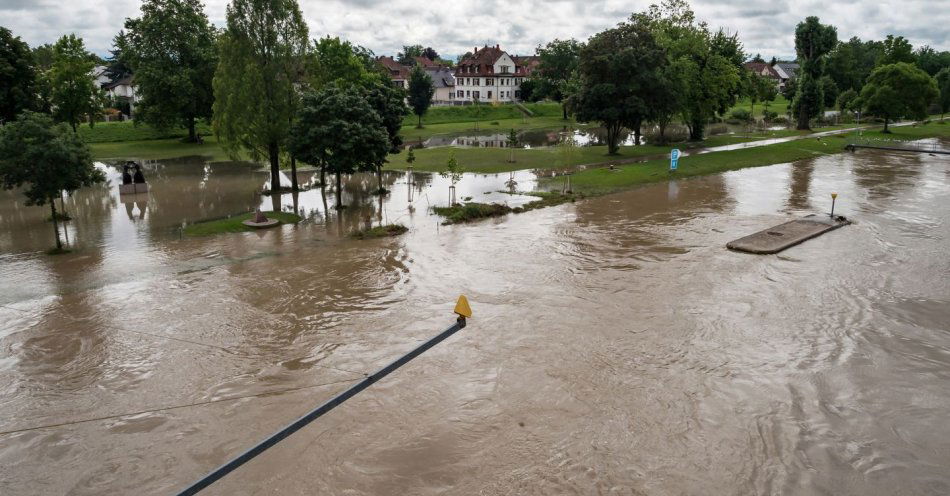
x=467 y=212
x=602 y=180
x=233 y=224
x=494 y=160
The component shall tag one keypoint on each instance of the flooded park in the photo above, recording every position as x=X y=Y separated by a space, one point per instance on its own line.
x=616 y=347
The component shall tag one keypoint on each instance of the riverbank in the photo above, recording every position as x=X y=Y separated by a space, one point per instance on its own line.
x=491 y=160
x=603 y=180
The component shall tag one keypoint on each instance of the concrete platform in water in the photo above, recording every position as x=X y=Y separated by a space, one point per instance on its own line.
x=782 y=236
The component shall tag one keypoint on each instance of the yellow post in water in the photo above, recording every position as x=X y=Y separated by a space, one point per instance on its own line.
x=834 y=196
x=462 y=308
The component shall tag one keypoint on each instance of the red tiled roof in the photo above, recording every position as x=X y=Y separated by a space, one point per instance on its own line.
x=483 y=61
x=762 y=69
x=425 y=62
x=396 y=70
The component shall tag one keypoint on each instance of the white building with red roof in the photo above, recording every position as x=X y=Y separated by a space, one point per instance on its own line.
x=490 y=75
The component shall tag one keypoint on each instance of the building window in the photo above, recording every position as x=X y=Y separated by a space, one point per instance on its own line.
x=475 y=81
x=489 y=95
x=459 y=93
x=489 y=82
x=475 y=95
x=505 y=69
x=468 y=93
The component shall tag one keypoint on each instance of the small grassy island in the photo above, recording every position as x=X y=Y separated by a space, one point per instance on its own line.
x=386 y=231
x=234 y=224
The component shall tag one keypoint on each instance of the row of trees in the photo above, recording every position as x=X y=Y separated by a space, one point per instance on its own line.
x=658 y=66
x=662 y=65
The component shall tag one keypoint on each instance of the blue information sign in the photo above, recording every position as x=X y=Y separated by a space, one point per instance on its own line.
x=674 y=158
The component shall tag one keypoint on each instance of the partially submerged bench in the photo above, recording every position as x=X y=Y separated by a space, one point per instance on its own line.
x=783 y=236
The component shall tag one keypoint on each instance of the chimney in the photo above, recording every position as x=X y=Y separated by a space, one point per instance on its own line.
x=475 y=50
x=497 y=47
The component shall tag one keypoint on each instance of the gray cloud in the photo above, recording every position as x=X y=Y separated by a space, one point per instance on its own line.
x=765 y=27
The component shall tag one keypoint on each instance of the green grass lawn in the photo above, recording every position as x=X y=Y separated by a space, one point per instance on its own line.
x=158 y=149
x=233 y=224
x=104 y=132
x=412 y=133
x=602 y=180
x=778 y=106
x=484 y=112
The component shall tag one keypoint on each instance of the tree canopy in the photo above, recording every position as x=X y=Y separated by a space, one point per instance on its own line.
x=45 y=159
x=558 y=61
x=338 y=127
x=421 y=91
x=171 y=49
x=17 y=77
x=898 y=90
x=619 y=71
x=261 y=59
x=75 y=96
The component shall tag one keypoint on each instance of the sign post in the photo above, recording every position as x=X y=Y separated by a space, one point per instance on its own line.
x=674 y=159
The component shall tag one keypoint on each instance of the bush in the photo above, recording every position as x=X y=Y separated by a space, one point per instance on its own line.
x=768 y=115
x=740 y=114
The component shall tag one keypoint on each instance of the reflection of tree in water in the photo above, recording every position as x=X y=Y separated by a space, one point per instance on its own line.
x=886 y=175
x=800 y=184
x=193 y=189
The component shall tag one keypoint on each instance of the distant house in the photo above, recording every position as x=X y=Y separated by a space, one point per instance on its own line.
x=398 y=73
x=765 y=70
x=442 y=78
x=489 y=74
x=444 y=82
x=122 y=90
x=786 y=71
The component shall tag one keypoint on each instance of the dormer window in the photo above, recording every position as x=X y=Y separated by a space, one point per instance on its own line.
x=505 y=69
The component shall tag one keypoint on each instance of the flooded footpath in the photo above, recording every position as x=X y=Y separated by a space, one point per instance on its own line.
x=616 y=346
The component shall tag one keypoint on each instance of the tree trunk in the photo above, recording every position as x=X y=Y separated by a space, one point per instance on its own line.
x=323 y=176
x=885 y=124
x=274 y=152
x=419 y=121
x=339 y=191
x=803 y=120
x=636 y=134
x=192 y=135
x=52 y=206
x=564 y=110
x=662 y=133
x=696 y=130
x=379 y=178
x=293 y=174
x=613 y=132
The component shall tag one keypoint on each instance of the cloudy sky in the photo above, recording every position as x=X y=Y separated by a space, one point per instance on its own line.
x=454 y=27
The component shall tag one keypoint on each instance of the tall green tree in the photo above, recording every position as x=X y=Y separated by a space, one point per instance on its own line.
x=75 y=96
x=619 y=71
x=45 y=159
x=18 y=85
x=338 y=127
x=171 y=49
x=813 y=40
x=943 y=86
x=898 y=90
x=710 y=64
x=261 y=54
x=558 y=61
x=421 y=90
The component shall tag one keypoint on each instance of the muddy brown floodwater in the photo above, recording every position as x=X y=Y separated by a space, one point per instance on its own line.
x=617 y=347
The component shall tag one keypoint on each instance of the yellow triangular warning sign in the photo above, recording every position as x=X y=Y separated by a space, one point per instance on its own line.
x=462 y=308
